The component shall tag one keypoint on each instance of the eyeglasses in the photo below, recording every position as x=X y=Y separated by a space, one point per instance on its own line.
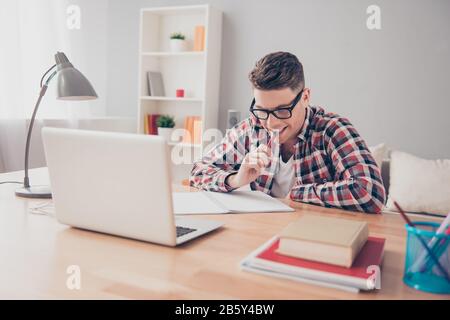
x=280 y=112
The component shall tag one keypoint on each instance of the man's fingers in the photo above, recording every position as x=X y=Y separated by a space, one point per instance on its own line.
x=263 y=148
x=256 y=167
x=262 y=151
x=260 y=159
x=263 y=157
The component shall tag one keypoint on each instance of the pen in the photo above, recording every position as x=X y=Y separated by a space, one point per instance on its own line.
x=422 y=264
x=439 y=248
x=422 y=241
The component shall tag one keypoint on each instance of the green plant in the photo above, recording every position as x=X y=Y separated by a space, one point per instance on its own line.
x=177 y=35
x=165 y=121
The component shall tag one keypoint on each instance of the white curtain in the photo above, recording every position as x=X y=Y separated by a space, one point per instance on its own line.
x=31 y=32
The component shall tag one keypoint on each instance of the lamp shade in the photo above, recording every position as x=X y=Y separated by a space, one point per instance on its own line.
x=72 y=84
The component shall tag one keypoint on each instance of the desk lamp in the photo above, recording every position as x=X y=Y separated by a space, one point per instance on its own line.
x=72 y=85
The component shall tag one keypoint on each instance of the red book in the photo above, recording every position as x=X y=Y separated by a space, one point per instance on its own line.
x=362 y=274
x=151 y=122
x=154 y=125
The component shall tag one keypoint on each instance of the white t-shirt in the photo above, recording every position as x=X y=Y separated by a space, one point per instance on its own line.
x=284 y=179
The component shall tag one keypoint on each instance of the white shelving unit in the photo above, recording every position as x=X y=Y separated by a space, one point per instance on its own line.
x=171 y=99
x=171 y=54
x=197 y=72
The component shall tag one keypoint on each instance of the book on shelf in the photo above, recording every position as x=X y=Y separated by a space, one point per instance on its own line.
x=155 y=84
x=197 y=130
x=150 y=126
x=146 y=124
x=364 y=274
x=193 y=129
x=199 y=38
x=324 y=239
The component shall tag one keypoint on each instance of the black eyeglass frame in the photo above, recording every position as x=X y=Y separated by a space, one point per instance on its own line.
x=273 y=111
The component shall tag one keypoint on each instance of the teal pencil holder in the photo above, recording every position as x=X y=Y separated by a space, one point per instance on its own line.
x=421 y=271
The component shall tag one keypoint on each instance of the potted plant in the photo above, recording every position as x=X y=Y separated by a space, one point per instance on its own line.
x=165 y=125
x=177 y=42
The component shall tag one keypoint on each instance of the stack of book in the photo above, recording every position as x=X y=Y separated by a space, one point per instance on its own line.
x=193 y=130
x=150 y=126
x=325 y=251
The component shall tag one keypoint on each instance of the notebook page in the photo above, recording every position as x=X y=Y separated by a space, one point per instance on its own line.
x=195 y=203
x=249 y=201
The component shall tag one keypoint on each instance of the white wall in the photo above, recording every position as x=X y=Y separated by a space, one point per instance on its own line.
x=31 y=32
x=391 y=83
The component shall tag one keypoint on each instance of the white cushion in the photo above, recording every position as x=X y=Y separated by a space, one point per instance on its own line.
x=378 y=153
x=419 y=185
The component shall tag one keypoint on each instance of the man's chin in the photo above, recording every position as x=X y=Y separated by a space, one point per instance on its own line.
x=282 y=140
x=284 y=135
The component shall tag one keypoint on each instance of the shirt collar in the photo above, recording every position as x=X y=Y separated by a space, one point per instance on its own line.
x=305 y=127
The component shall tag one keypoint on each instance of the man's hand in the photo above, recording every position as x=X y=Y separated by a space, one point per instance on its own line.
x=251 y=168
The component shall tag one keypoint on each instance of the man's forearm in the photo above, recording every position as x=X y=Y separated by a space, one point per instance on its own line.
x=210 y=178
x=354 y=194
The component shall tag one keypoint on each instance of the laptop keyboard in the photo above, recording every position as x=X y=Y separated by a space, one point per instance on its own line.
x=181 y=231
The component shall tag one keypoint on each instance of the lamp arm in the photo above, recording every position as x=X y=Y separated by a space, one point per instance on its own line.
x=46 y=72
x=26 y=179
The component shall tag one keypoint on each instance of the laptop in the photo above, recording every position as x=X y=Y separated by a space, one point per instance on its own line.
x=116 y=183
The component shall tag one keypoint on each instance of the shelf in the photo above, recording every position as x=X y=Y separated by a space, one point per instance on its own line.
x=154 y=98
x=173 y=54
x=184 y=144
x=177 y=10
x=197 y=72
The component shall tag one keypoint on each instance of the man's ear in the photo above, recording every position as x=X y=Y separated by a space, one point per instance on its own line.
x=306 y=96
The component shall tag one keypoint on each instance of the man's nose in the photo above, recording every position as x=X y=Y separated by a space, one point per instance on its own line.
x=273 y=122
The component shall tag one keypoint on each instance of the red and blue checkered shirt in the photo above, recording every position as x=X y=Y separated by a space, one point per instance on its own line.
x=333 y=165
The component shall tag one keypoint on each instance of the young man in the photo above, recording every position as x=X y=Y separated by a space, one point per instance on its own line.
x=289 y=148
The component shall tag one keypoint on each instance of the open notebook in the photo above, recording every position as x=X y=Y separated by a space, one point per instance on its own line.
x=203 y=202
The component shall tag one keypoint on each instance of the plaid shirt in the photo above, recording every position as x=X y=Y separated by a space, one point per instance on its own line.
x=333 y=166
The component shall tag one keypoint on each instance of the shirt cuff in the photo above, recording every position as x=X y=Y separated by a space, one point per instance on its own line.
x=224 y=187
x=306 y=193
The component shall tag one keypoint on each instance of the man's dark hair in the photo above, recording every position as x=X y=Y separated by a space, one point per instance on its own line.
x=278 y=70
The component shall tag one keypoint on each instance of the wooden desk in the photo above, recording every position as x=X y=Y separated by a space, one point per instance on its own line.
x=35 y=252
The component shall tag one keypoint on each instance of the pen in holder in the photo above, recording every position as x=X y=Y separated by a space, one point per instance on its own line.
x=427 y=268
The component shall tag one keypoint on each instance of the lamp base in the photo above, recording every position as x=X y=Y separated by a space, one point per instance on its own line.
x=42 y=192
